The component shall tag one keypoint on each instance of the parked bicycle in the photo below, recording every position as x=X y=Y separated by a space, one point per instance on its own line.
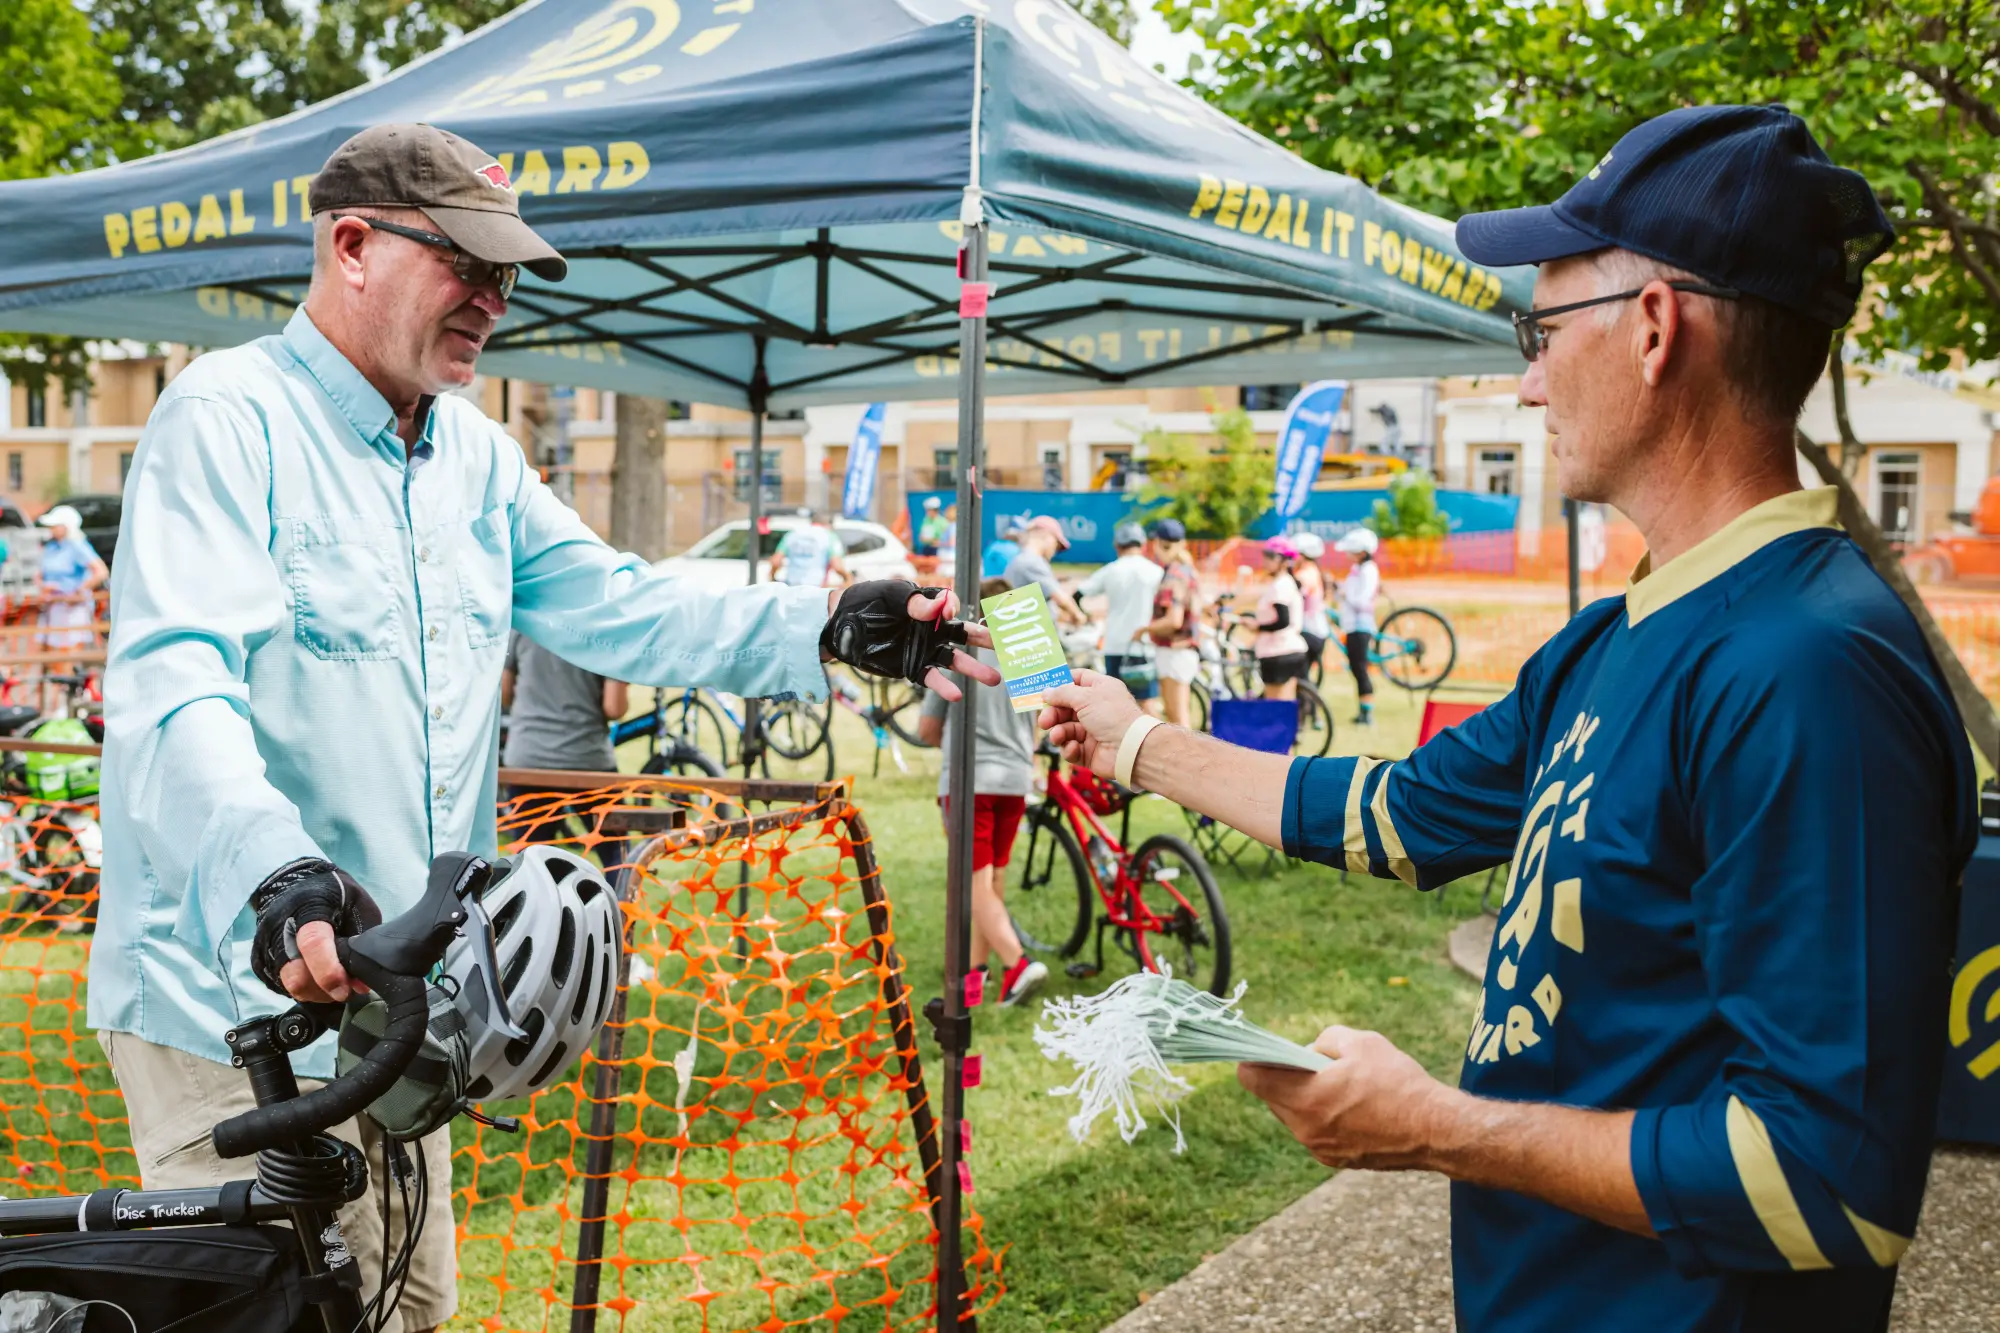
x=1229 y=671
x=690 y=726
x=1160 y=901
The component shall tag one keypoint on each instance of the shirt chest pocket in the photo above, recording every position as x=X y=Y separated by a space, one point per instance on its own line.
x=486 y=578
x=346 y=605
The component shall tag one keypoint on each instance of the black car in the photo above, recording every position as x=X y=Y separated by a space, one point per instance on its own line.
x=100 y=515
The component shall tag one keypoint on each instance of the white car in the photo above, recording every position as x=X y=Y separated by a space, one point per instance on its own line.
x=717 y=560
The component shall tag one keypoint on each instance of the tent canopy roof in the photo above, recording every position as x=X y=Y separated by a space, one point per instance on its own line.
x=780 y=183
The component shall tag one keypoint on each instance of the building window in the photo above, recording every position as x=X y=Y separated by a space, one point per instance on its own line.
x=774 y=482
x=944 y=469
x=124 y=466
x=1114 y=472
x=1268 y=397
x=786 y=414
x=14 y=470
x=1052 y=469
x=1897 y=480
x=1494 y=471
x=159 y=380
x=676 y=410
x=38 y=405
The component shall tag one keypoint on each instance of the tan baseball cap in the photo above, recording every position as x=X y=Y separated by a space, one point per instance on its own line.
x=460 y=186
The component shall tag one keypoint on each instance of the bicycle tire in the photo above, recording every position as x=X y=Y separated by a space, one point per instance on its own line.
x=902 y=704
x=1199 y=947
x=1198 y=710
x=694 y=723
x=1038 y=903
x=1315 y=734
x=70 y=884
x=1424 y=648
x=795 y=728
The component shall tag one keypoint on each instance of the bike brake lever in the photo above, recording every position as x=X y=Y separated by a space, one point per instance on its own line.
x=478 y=933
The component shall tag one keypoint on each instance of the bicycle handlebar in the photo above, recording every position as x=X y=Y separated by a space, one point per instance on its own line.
x=392 y=959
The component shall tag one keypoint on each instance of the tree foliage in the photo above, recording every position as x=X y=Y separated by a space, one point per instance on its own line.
x=1215 y=492
x=1460 y=105
x=1410 y=509
x=1112 y=16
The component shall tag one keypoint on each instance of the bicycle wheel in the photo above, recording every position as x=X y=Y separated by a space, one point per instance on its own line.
x=1315 y=736
x=1176 y=886
x=901 y=703
x=1198 y=704
x=692 y=723
x=795 y=728
x=1049 y=901
x=69 y=879
x=1416 y=648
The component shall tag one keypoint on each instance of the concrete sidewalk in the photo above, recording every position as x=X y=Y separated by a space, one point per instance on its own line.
x=1370 y=1251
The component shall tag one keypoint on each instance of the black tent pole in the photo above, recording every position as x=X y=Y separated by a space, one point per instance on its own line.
x=753 y=731
x=1572 y=520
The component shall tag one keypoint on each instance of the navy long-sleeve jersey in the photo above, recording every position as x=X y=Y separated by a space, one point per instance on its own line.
x=1737 y=802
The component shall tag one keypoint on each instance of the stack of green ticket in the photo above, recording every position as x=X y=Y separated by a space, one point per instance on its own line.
x=1025 y=640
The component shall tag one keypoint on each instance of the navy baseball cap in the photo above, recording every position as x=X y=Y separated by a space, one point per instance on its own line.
x=1742 y=196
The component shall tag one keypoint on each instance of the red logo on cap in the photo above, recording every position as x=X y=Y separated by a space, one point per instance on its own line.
x=496 y=176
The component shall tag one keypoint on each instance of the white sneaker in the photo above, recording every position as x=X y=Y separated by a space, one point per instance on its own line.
x=1024 y=982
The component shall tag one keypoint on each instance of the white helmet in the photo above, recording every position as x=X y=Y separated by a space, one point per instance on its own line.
x=1358 y=541
x=556 y=936
x=1309 y=544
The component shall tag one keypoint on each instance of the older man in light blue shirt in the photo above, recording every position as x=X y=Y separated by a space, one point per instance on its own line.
x=321 y=562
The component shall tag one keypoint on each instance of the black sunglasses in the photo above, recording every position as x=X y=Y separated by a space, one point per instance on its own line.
x=1534 y=339
x=469 y=269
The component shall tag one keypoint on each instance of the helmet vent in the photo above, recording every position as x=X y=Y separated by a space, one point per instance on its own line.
x=604 y=993
x=479 y=1089
x=561 y=868
x=518 y=964
x=508 y=915
x=565 y=949
x=583 y=980
x=588 y=890
x=533 y=1024
x=550 y=1065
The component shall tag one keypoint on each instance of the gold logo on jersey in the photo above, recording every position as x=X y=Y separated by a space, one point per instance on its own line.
x=1963 y=988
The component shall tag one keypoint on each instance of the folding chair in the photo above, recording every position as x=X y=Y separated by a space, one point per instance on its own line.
x=1441 y=717
x=1269 y=725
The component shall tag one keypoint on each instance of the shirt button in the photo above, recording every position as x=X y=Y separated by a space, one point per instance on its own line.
x=433 y=634
x=437 y=713
x=438 y=791
x=424 y=554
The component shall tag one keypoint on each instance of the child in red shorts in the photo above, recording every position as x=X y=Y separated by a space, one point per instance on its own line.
x=1003 y=774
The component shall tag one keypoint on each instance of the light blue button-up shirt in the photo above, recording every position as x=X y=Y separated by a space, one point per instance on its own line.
x=308 y=626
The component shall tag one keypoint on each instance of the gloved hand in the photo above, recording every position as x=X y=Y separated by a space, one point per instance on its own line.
x=872 y=630
x=304 y=893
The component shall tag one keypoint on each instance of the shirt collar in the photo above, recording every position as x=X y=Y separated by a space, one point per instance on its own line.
x=1749 y=532
x=359 y=401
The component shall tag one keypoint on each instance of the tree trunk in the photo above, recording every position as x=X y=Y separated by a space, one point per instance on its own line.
x=639 y=478
x=1974 y=708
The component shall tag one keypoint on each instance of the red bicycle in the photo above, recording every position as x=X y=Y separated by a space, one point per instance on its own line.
x=1161 y=901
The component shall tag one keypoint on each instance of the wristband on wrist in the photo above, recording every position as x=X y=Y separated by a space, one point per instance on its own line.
x=1128 y=749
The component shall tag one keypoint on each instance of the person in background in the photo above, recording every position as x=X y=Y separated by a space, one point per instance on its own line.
x=932 y=529
x=558 y=716
x=810 y=557
x=1316 y=625
x=948 y=541
x=1280 y=648
x=1041 y=538
x=1357 y=614
x=994 y=560
x=71 y=575
x=1128 y=584
x=1003 y=775
x=1176 y=612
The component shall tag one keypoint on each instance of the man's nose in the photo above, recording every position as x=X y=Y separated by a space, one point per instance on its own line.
x=489 y=300
x=1534 y=386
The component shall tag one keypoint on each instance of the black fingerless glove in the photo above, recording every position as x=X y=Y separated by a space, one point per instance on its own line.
x=296 y=895
x=871 y=630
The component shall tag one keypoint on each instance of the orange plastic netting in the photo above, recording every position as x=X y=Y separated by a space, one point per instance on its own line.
x=759 y=1115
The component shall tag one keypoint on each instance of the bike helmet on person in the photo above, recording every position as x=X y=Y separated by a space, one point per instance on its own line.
x=1358 y=541
x=1282 y=547
x=1310 y=546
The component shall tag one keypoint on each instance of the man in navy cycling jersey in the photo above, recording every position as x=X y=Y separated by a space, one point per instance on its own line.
x=1700 y=1087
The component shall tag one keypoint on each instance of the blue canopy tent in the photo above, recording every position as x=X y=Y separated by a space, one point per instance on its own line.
x=774 y=203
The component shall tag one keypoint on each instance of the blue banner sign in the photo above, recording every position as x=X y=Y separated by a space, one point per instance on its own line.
x=1302 y=443
x=863 y=457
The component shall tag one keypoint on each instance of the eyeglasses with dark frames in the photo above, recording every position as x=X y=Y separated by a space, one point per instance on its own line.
x=1534 y=339
x=469 y=269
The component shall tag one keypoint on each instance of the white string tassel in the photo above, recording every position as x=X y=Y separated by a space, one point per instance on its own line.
x=1122 y=1041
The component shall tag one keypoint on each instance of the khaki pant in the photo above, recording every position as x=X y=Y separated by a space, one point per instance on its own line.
x=174 y=1099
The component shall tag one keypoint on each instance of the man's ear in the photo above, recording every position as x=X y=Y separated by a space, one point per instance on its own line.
x=1656 y=330
x=347 y=237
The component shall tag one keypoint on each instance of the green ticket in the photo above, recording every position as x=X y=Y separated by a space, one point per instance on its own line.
x=1025 y=640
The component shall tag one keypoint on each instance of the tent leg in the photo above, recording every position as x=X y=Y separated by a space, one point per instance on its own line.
x=954 y=1023
x=752 y=745
x=1573 y=520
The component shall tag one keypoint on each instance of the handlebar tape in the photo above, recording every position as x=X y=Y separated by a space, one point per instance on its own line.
x=347 y=1096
